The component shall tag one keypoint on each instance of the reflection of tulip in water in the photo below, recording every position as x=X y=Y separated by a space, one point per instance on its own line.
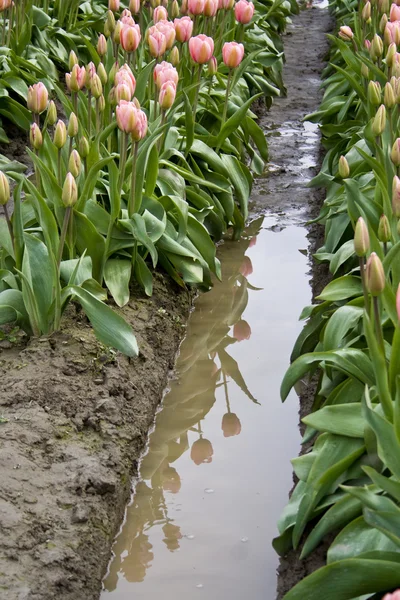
x=241 y=331
x=230 y=425
x=171 y=481
x=202 y=451
x=172 y=535
x=246 y=268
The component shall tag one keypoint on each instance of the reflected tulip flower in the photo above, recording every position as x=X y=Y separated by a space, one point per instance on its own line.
x=253 y=241
x=172 y=536
x=244 y=11
x=231 y=424
x=201 y=452
x=246 y=268
x=171 y=480
x=241 y=331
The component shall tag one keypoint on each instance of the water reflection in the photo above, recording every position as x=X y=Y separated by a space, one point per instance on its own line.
x=205 y=481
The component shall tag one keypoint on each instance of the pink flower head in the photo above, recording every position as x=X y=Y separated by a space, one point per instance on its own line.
x=126 y=116
x=244 y=11
x=241 y=331
x=183 y=29
x=140 y=129
x=367 y=45
x=225 y=4
x=130 y=37
x=37 y=98
x=127 y=20
x=392 y=33
x=167 y=95
x=77 y=78
x=232 y=54
x=122 y=92
x=394 y=13
x=164 y=72
x=201 y=48
x=210 y=8
x=113 y=5
x=134 y=6
x=168 y=30
x=4 y=4
x=160 y=14
x=394 y=596
x=196 y=7
x=126 y=14
x=184 y=7
x=346 y=33
x=157 y=42
x=246 y=268
x=125 y=75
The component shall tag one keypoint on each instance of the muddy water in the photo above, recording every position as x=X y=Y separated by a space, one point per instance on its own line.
x=217 y=473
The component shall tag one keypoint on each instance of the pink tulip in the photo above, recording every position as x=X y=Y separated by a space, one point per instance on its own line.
x=346 y=33
x=77 y=78
x=225 y=4
x=168 y=30
x=134 y=6
x=232 y=54
x=126 y=20
x=231 y=424
x=201 y=48
x=113 y=5
x=5 y=4
x=126 y=14
x=160 y=14
x=394 y=13
x=101 y=45
x=126 y=116
x=37 y=98
x=201 y=451
x=183 y=29
x=140 y=126
x=196 y=7
x=244 y=11
x=184 y=7
x=157 y=42
x=130 y=37
x=241 y=331
x=367 y=45
x=167 y=95
x=210 y=8
x=164 y=72
x=394 y=596
x=122 y=92
x=90 y=73
x=125 y=75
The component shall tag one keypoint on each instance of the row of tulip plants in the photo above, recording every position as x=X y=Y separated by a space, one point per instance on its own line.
x=349 y=481
x=144 y=157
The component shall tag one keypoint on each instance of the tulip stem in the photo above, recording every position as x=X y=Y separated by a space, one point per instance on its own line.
x=59 y=166
x=63 y=235
x=89 y=113
x=123 y=153
x=71 y=235
x=9 y=225
x=228 y=407
x=196 y=99
x=97 y=115
x=228 y=87
x=131 y=204
x=364 y=283
x=378 y=326
x=75 y=102
x=10 y=21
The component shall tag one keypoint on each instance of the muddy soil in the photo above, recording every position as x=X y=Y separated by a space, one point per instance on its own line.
x=74 y=419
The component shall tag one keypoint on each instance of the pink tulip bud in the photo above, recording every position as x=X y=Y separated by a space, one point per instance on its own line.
x=384 y=232
x=196 y=7
x=121 y=92
x=157 y=42
x=168 y=30
x=134 y=6
x=392 y=33
x=164 y=72
x=346 y=33
x=184 y=7
x=394 y=13
x=126 y=116
x=230 y=425
x=167 y=95
x=367 y=45
x=201 y=48
x=396 y=197
x=183 y=29
x=102 y=45
x=35 y=137
x=125 y=75
x=232 y=54
x=37 y=98
x=77 y=78
x=74 y=163
x=130 y=37
x=244 y=11
x=96 y=87
x=210 y=8
x=395 y=153
x=4 y=189
x=90 y=73
x=174 y=56
x=396 y=594
x=126 y=17
x=160 y=14
x=361 y=238
x=5 y=4
x=241 y=331
x=212 y=66
x=375 y=275
x=69 y=191
x=113 y=5
x=140 y=129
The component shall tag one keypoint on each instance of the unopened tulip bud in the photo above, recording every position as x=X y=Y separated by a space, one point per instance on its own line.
x=175 y=11
x=396 y=197
x=389 y=98
x=96 y=87
x=136 y=102
x=134 y=6
x=361 y=238
x=117 y=33
x=110 y=23
x=72 y=60
x=113 y=5
x=382 y=24
x=37 y=98
x=364 y=71
x=35 y=137
x=60 y=134
x=70 y=191
x=184 y=7
x=101 y=72
x=390 y=54
x=375 y=275
x=384 y=233
x=344 y=169
x=212 y=67
x=379 y=122
x=384 y=6
x=73 y=125
x=376 y=47
x=374 y=93
x=101 y=46
x=51 y=113
x=101 y=103
x=4 y=189
x=83 y=147
x=174 y=56
x=346 y=33
x=107 y=30
x=167 y=95
x=395 y=153
x=74 y=163
x=366 y=11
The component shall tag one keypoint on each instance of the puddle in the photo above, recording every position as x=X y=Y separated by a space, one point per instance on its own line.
x=217 y=471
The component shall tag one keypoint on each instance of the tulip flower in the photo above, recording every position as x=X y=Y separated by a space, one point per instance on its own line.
x=212 y=66
x=126 y=116
x=102 y=73
x=83 y=147
x=174 y=56
x=164 y=72
x=130 y=37
x=389 y=98
x=160 y=14
x=196 y=7
x=376 y=47
x=74 y=163
x=184 y=7
x=101 y=46
x=35 y=137
x=167 y=95
x=174 y=9
x=395 y=153
x=121 y=92
x=60 y=135
x=201 y=451
x=183 y=29
x=117 y=32
x=366 y=11
x=244 y=11
x=344 y=169
x=171 y=482
x=392 y=33
x=73 y=125
x=241 y=331
x=375 y=275
x=201 y=48
x=168 y=30
x=5 y=4
x=69 y=191
x=140 y=129
x=4 y=189
x=346 y=33
x=361 y=238
x=394 y=13
x=232 y=54
x=113 y=5
x=157 y=42
x=51 y=113
x=396 y=197
x=210 y=8
x=77 y=78
x=394 y=596
x=134 y=6
x=374 y=93
x=126 y=17
x=230 y=425
x=379 y=122
x=384 y=232
x=37 y=98
x=109 y=24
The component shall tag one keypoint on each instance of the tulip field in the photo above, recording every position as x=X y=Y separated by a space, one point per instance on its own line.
x=348 y=479
x=143 y=146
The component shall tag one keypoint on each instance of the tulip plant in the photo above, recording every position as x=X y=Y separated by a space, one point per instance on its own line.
x=349 y=482
x=144 y=157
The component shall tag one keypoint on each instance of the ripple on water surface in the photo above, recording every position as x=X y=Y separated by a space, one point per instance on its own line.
x=216 y=474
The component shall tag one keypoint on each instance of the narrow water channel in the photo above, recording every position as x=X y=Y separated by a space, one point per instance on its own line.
x=217 y=471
